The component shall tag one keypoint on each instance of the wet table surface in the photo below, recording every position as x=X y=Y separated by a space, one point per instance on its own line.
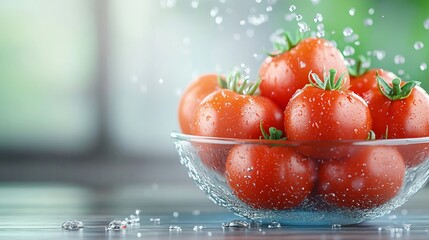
x=172 y=212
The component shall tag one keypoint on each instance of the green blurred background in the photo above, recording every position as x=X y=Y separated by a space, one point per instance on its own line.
x=89 y=88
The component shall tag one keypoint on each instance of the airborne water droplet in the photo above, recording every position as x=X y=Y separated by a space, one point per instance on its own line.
x=426 y=23
x=423 y=66
x=371 y=11
x=347 y=31
x=379 y=54
x=218 y=19
x=348 y=51
x=318 y=18
x=214 y=11
x=315 y=2
x=352 y=11
x=274 y=225
x=399 y=59
x=194 y=4
x=117 y=225
x=418 y=45
x=368 y=22
x=292 y=8
x=298 y=17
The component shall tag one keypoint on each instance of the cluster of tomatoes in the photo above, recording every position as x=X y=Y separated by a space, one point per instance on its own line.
x=307 y=95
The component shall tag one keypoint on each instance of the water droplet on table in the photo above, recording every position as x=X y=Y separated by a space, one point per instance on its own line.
x=418 y=45
x=197 y=228
x=274 y=225
x=72 y=225
x=116 y=225
x=155 y=220
x=236 y=224
x=175 y=228
x=336 y=226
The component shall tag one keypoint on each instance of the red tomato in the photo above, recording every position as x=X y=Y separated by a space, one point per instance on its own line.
x=368 y=81
x=191 y=98
x=266 y=177
x=402 y=118
x=367 y=179
x=318 y=114
x=228 y=114
x=282 y=75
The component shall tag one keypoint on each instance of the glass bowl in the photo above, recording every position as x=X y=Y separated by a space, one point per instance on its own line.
x=306 y=182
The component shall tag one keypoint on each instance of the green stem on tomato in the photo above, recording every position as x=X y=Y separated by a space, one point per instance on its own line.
x=288 y=43
x=361 y=67
x=239 y=84
x=329 y=81
x=396 y=91
x=274 y=134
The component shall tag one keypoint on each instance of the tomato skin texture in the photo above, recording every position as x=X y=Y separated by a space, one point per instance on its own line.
x=282 y=75
x=191 y=98
x=228 y=114
x=367 y=179
x=267 y=177
x=406 y=118
x=317 y=114
x=368 y=82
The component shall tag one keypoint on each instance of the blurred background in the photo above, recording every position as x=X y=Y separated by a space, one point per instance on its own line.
x=89 y=88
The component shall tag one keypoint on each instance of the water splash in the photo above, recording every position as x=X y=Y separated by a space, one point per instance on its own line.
x=72 y=225
x=418 y=45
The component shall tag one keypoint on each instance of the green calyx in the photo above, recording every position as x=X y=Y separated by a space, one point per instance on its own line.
x=329 y=81
x=274 y=134
x=371 y=135
x=396 y=91
x=287 y=44
x=361 y=67
x=236 y=82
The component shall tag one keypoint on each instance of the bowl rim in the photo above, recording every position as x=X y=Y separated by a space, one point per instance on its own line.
x=232 y=141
